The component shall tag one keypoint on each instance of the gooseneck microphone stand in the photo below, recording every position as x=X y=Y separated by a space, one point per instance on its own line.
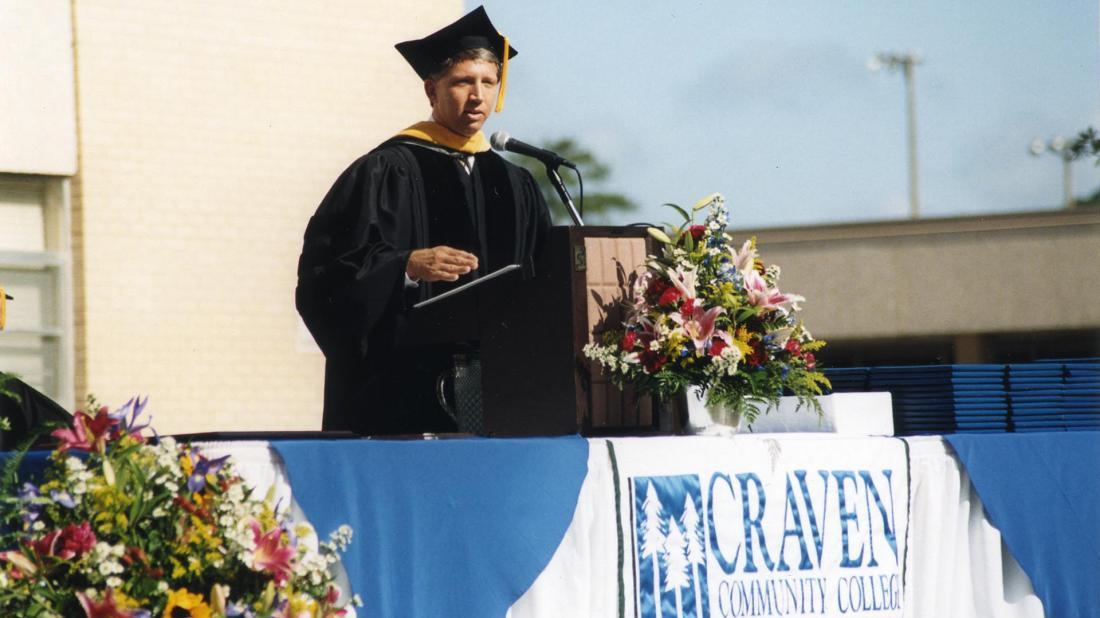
x=563 y=192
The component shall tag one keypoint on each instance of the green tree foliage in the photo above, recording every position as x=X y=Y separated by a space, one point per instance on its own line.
x=599 y=202
x=1086 y=146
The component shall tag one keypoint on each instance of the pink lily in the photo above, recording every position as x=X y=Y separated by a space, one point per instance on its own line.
x=88 y=432
x=328 y=604
x=760 y=295
x=270 y=554
x=744 y=258
x=19 y=561
x=102 y=609
x=684 y=281
x=640 y=286
x=699 y=324
x=75 y=438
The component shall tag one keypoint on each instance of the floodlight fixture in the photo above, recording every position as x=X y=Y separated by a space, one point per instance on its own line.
x=905 y=63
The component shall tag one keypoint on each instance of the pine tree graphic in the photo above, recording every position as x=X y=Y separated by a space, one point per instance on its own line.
x=695 y=554
x=676 y=563
x=653 y=540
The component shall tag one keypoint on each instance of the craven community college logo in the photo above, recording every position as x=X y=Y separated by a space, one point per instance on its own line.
x=670 y=547
x=801 y=543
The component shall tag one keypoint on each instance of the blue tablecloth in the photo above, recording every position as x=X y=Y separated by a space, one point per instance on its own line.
x=442 y=528
x=1042 y=491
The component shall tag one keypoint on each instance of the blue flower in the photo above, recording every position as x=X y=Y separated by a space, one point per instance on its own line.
x=32 y=506
x=133 y=409
x=63 y=498
x=197 y=481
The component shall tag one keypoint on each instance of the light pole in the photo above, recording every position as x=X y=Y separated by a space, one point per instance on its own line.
x=1057 y=146
x=905 y=62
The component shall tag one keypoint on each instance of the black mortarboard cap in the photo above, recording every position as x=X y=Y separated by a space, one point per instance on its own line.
x=472 y=31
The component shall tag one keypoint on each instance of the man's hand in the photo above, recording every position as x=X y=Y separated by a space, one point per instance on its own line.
x=439 y=264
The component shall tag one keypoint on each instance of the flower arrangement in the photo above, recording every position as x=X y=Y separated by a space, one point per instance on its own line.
x=708 y=313
x=123 y=526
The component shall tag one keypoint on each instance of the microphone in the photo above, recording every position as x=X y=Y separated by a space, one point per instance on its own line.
x=502 y=141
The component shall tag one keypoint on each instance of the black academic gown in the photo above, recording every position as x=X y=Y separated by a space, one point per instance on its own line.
x=352 y=295
x=29 y=412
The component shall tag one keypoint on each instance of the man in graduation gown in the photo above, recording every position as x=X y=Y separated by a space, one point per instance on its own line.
x=427 y=210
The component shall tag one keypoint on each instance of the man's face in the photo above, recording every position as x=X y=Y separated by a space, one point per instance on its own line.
x=464 y=96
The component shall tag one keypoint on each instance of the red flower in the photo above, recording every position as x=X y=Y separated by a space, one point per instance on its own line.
x=716 y=346
x=653 y=361
x=669 y=296
x=47 y=545
x=629 y=339
x=811 y=362
x=72 y=542
x=688 y=308
x=759 y=355
x=76 y=540
x=793 y=347
x=697 y=232
x=656 y=287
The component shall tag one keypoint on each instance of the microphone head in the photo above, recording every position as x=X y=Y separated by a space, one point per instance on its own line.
x=499 y=139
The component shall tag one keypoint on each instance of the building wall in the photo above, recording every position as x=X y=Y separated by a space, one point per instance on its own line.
x=37 y=155
x=37 y=123
x=949 y=277
x=208 y=133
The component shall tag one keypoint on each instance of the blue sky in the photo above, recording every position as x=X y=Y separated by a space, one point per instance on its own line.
x=772 y=104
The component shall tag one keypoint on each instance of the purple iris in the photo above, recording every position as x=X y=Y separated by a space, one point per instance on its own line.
x=197 y=481
x=63 y=498
x=32 y=507
x=133 y=409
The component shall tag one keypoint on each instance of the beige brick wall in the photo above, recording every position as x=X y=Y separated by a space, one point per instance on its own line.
x=208 y=133
x=37 y=128
x=1009 y=273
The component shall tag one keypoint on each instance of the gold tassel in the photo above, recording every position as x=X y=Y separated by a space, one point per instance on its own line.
x=503 y=77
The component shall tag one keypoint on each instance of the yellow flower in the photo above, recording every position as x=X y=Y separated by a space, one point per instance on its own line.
x=183 y=603
x=124 y=601
x=301 y=604
x=177 y=569
x=675 y=343
x=741 y=341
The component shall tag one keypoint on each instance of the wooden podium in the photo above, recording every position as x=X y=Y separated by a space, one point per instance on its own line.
x=531 y=328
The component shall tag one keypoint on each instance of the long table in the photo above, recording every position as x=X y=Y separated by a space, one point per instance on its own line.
x=750 y=525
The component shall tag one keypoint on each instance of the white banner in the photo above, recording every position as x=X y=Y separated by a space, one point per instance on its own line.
x=763 y=526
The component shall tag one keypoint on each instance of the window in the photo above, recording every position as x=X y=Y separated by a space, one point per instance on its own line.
x=35 y=270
